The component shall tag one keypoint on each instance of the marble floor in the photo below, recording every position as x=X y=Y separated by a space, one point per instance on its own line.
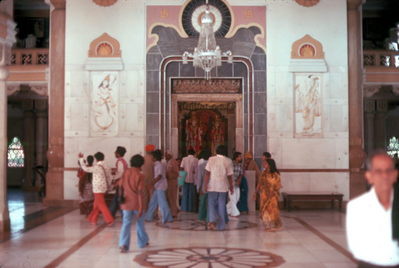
x=26 y=212
x=309 y=239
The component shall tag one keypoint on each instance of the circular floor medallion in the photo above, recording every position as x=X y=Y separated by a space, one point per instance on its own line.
x=195 y=225
x=197 y=257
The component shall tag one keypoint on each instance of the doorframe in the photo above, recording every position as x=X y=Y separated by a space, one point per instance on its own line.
x=163 y=131
x=174 y=116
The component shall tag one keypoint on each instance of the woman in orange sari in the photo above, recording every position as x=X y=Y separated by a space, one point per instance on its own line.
x=269 y=191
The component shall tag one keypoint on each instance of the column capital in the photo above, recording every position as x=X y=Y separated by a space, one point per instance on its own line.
x=355 y=4
x=27 y=106
x=41 y=107
x=371 y=90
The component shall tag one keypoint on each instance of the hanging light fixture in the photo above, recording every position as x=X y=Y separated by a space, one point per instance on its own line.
x=207 y=55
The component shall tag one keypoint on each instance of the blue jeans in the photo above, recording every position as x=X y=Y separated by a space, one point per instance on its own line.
x=124 y=237
x=188 y=198
x=158 y=198
x=217 y=209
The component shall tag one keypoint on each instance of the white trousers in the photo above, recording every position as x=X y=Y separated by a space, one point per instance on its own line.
x=232 y=209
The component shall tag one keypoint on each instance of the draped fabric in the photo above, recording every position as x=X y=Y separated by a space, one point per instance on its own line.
x=269 y=186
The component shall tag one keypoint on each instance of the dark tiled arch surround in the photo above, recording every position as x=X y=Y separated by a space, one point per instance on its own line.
x=249 y=64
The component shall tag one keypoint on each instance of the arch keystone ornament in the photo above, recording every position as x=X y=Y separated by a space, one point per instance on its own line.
x=105 y=46
x=307 y=48
x=105 y=3
x=307 y=3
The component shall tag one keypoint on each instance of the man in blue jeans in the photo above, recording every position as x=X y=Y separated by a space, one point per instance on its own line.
x=218 y=181
x=132 y=183
x=158 y=197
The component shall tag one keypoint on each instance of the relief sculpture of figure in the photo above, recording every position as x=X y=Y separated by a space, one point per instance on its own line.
x=218 y=135
x=308 y=103
x=104 y=104
x=193 y=139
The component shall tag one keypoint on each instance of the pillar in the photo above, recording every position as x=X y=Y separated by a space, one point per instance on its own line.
x=55 y=154
x=356 y=152
x=380 y=124
x=4 y=218
x=29 y=143
x=41 y=135
x=7 y=39
x=369 y=123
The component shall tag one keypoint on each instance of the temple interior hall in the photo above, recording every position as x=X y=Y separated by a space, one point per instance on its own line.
x=279 y=105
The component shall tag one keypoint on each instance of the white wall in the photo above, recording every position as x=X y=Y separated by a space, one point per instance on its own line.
x=326 y=22
x=286 y=23
x=85 y=21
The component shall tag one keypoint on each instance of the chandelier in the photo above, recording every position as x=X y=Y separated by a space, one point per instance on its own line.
x=207 y=55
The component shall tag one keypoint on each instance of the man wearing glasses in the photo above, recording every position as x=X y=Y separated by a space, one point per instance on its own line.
x=371 y=233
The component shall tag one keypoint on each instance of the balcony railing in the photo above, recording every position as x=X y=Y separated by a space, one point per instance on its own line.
x=35 y=56
x=29 y=65
x=381 y=58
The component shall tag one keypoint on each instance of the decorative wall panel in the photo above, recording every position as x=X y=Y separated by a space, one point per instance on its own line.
x=104 y=104
x=308 y=112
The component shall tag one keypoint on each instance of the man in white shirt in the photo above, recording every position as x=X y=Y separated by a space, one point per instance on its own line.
x=101 y=182
x=369 y=217
x=189 y=164
x=218 y=181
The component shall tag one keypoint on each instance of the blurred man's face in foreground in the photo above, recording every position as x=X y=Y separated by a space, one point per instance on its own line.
x=382 y=173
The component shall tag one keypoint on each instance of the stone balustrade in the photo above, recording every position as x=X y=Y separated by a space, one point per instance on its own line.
x=34 y=56
x=383 y=58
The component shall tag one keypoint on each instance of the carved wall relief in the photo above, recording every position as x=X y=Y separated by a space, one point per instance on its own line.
x=307 y=92
x=104 y=103
x=198 y=85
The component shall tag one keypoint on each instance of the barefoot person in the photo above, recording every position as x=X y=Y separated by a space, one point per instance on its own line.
x=268 y=188
x=86 y=188
x=158 y=198
x=101 y=181
x=189 y=164
x=133 y=187
x=232 y=208
x=371 y=230
x=148 y=172
x=203 y=196
x=218 y=181
x=120 y=167
x=172 y=173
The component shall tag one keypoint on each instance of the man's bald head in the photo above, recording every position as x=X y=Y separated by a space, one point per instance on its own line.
x=378 y=156
x=381 y=172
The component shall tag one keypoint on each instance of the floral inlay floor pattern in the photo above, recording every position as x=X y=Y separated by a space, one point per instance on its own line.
x=208 y=257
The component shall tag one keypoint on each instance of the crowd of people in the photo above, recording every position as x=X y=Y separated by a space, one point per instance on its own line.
x=158 y=186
